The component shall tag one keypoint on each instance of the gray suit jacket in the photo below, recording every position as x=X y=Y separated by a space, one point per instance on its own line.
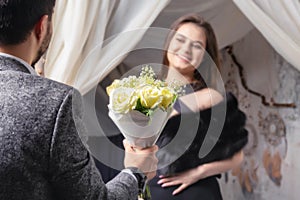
x=41 y=153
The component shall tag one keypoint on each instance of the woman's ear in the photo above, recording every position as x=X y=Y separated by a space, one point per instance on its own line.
x=40 y=28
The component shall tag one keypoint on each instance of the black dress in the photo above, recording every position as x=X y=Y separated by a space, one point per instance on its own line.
x=207 y=189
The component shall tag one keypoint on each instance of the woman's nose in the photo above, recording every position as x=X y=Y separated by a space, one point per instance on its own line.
x=186 y=47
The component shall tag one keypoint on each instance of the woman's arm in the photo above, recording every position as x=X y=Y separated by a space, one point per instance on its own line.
x=217 y=167
x=202 y=99
x=187 y=178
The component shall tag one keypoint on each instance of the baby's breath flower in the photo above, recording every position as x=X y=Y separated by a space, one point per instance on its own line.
x=147 y=71
x=177 y=87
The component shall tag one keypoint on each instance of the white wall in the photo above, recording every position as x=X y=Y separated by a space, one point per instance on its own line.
x=271 y=168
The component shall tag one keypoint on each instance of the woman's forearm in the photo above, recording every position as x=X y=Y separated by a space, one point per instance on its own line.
x=217 y=167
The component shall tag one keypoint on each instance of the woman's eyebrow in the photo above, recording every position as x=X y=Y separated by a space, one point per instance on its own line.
x=179 y=34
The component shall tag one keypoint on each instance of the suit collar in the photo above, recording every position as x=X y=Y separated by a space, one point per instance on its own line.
x=12 y=63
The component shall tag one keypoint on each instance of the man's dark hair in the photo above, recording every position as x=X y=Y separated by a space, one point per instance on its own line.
x=18 y=17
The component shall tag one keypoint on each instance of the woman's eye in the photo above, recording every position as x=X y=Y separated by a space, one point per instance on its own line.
x=197 y=46
x=180 y=39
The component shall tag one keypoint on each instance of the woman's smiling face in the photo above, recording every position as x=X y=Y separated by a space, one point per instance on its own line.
x=187 y=48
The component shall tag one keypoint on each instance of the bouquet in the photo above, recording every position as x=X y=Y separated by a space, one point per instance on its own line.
x=140 y=106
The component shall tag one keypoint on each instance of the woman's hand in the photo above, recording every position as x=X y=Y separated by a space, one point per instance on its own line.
x=184 y=179
x=187 y=178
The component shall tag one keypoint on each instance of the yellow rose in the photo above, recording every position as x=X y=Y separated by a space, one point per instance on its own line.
x=114 y=85
x=122 y=100
x=167 y=95
x=150 y=96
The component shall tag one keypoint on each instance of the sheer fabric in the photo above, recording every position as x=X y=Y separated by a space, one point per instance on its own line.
x=83 y=50
x=279 y=23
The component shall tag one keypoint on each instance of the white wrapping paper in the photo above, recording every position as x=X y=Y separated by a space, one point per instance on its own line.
x=141 y=130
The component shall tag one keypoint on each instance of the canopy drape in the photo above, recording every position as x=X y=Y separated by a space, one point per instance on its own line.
x=279 y=23
x=92 y=37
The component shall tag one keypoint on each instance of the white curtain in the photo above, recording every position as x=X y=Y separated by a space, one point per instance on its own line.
x=91 y=37
x=228 y=22
x=279 y=23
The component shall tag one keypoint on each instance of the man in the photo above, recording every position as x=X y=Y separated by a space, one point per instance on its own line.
x=41 y=153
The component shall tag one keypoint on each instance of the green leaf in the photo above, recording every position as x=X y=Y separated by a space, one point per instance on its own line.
x=139 y=107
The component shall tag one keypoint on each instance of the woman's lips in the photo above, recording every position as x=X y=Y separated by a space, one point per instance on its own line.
x=184 y=58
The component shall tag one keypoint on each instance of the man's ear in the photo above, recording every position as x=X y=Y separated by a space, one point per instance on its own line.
x=40 y=28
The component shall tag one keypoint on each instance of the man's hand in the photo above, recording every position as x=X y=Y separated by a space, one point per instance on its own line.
x=144 y=159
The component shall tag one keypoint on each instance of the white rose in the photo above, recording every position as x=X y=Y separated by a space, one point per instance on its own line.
x=122 y=99
x=114 y=85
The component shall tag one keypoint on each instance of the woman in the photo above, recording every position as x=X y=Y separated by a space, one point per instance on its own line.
x=188 y=48
x=190 y=177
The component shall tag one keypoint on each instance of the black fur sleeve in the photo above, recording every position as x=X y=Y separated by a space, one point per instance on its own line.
x=182 y=139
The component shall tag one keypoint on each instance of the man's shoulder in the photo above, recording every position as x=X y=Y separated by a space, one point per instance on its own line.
x=49 y=84
x=49 y=88
x=35 y=89
x=53 y=91
x=34 y=82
